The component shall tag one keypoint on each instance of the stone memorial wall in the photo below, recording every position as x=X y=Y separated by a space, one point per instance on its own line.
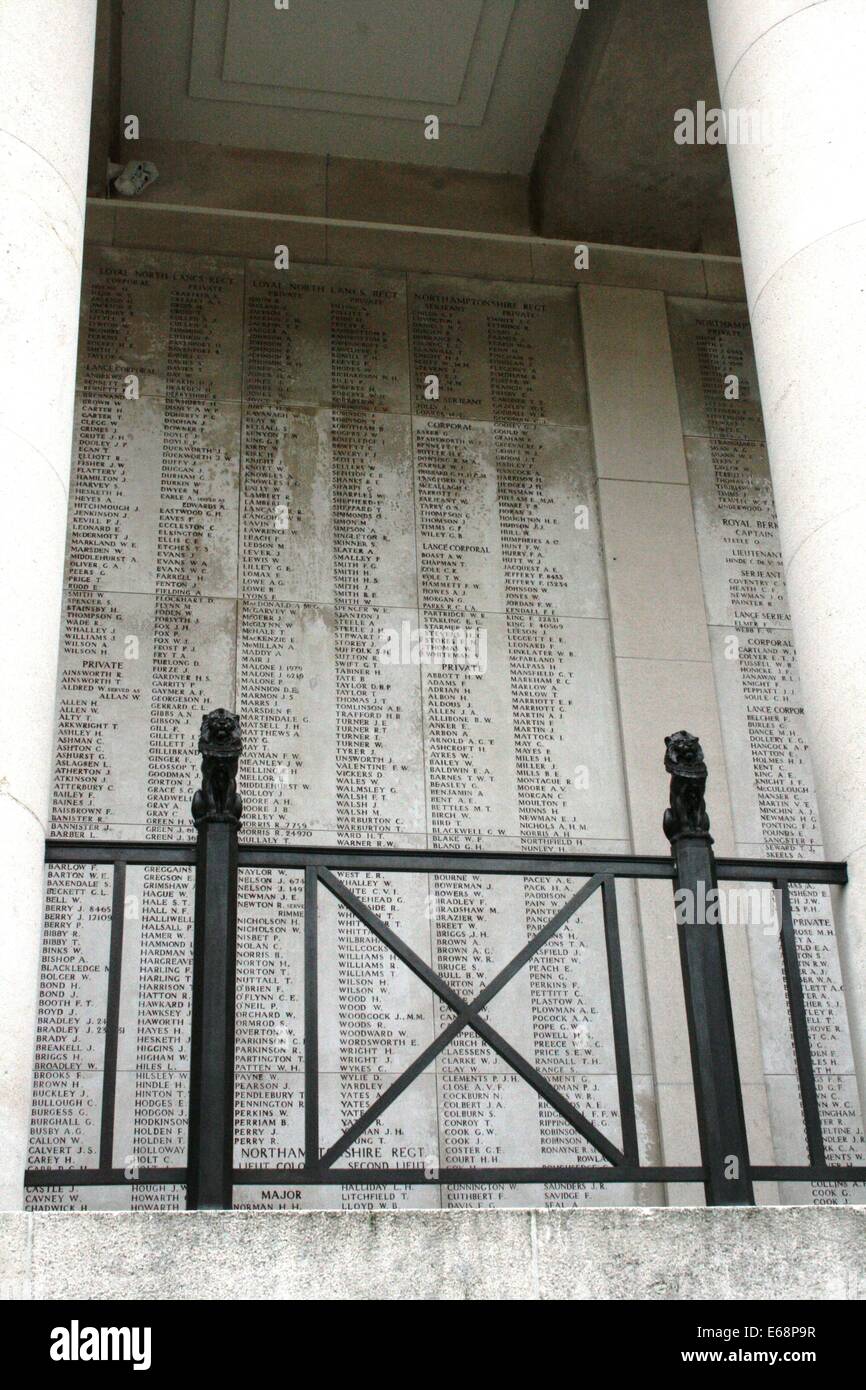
x=360 y=507
x=763 y=727
x=292 y=519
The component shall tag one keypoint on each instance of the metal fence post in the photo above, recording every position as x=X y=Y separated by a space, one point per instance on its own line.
x=718 y=1093
x=216 y=810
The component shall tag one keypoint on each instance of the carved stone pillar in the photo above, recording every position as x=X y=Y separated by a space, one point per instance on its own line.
x=46 y=71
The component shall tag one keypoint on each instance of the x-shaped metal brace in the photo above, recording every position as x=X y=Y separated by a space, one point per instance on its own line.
x=467 y=1015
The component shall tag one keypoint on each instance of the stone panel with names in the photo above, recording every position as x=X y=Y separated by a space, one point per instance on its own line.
x=399 y=584
x=763 y=723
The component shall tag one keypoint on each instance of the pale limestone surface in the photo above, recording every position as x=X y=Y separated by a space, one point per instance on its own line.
x=664 y=613
x=800 y=1253
x=340 y=503
x=659 y=636
x=800 y=208
x=171 y=223
x=46 y=69
x=634 y=396
x=576 y=262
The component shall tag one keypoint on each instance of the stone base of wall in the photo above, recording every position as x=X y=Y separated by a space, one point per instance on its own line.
x=598 y=1253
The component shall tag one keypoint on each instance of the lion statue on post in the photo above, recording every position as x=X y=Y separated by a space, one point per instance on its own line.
x=687 y=813
x=220 y=747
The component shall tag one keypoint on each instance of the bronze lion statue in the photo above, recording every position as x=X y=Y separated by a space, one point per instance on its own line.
x=220 y=747
x=684 y=760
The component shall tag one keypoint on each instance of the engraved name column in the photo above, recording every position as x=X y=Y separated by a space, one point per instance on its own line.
x=148 y=639
x=384 y=1016
x=763 y=720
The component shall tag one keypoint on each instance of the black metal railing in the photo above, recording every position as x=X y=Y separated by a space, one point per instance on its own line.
x=726 y=1170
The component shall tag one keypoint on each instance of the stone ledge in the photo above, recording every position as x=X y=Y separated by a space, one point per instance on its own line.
x=596 y=1253
x=417 y=249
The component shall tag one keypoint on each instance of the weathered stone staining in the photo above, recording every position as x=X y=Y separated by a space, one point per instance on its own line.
x=763 y=725
x=414 y=546
x=508 y=544
x=360 y=508
x=149 y=639
x=271 y=508
x=717 y=377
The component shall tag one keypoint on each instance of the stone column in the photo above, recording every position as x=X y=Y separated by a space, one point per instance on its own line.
x=801 y=208
x=46 y=71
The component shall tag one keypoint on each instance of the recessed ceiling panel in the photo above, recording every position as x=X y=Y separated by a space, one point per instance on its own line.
x=330 y=72
x=397 y=49
x=354 y=78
